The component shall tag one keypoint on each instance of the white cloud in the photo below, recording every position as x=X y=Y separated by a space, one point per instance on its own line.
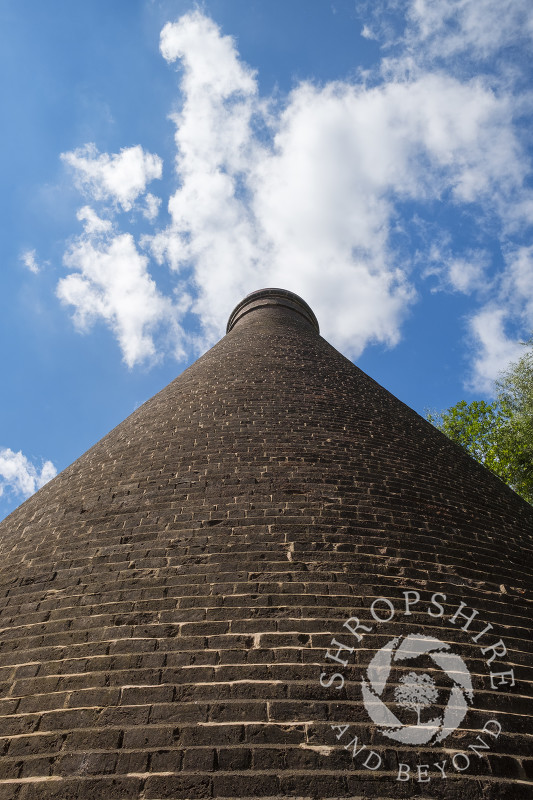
x=517 y=283
x=29 y=259
x=309 y=194
x=152 y=205
x=111 y=282
x=20 y=476
x=466 y=273
x=210 y=60
x=119 y=177
x=511 y=308
x=459 y=32
x=367 y=33
x=495 y=349
x=313 y=210
x=481 y=27
x=93 y=224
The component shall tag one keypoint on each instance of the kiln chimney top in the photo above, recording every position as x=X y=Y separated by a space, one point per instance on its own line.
x=272 y=297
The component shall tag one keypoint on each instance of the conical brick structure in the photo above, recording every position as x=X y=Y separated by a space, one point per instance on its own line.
x=272 y=580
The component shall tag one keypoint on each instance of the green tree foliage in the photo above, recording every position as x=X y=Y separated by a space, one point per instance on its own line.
x=499 y=434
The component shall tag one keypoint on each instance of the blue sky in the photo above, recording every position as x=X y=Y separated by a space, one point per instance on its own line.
x=162 y=159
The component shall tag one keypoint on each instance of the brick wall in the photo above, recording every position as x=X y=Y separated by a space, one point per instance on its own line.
x=168 y=601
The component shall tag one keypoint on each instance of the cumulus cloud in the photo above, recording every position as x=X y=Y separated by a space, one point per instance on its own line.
x=111 y=282
x=151 y=207
x=495 y=349
x=119 y=177
x=511 y=309
x=367 y=33
x=29 y=259
x=315 y=192
x=312 y=207
x=19 y=476
x=517 y=283
x=441 y=31
x=211 y=62
x=482 y=27
x=465 y=273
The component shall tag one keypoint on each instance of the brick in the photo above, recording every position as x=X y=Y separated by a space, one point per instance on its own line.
x=171 y=713
x=35 y=745
x=150 y=738
x=166 y=761
x=234 y=758
x=112 y=788
x=198 y=759
x=92 y=739
x=237 y=711
x=143 y=695
x=239 y=785
x=177 y=786
x=132 y=762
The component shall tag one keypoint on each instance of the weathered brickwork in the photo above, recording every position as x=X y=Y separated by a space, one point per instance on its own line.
x=168 y=601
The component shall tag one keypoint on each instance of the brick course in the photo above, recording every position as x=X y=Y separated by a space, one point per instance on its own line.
x=167 y=601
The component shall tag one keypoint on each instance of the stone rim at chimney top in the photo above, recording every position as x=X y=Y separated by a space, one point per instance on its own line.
x=268 y=298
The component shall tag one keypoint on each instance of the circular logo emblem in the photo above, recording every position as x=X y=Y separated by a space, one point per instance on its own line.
x=416 y=692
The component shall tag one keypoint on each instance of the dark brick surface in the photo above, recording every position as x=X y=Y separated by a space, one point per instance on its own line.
x=167 y=601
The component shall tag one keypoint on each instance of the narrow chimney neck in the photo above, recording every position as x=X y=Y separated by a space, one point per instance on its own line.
x=272 y=298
